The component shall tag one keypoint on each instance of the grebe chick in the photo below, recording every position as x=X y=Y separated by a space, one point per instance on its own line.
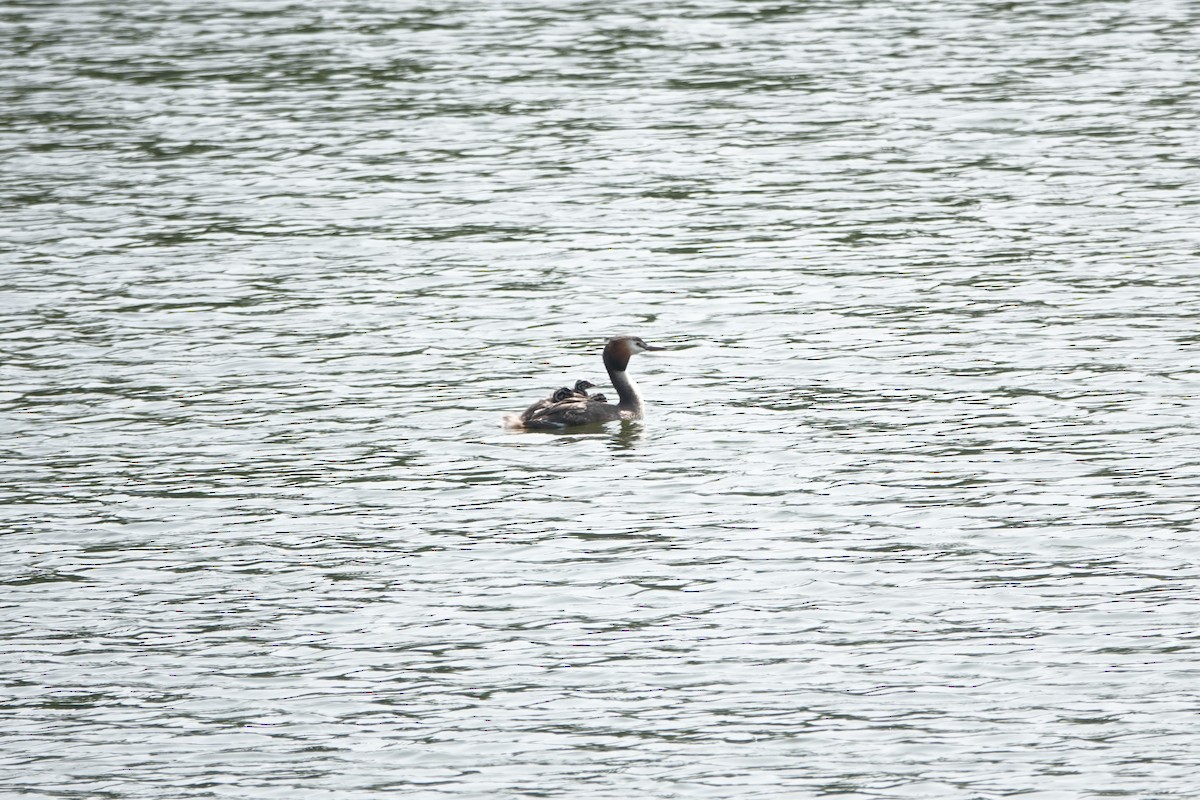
x=557 y=396
x=564 y=393
x=584 y=410
x=599 y=398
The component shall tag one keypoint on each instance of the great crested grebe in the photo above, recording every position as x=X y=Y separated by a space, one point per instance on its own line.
x=583 y=410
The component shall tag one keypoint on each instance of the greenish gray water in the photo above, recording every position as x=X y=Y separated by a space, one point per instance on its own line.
x=914 y=510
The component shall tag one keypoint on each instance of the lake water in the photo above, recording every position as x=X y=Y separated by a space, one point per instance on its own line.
x=914 y=510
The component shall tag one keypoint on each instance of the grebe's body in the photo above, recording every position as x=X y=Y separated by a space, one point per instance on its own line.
x=578 y=409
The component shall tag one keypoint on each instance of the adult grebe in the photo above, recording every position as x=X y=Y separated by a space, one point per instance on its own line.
x=583 y=410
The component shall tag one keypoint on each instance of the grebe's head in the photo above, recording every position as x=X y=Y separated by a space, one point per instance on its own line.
x=620 y=349
x=630 y=344
x=581 y=386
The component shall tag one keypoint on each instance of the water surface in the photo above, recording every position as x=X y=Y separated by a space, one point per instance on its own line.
x=914 y=510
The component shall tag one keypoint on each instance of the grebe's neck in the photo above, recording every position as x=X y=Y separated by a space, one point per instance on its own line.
x=616 y=362
x=627 y=390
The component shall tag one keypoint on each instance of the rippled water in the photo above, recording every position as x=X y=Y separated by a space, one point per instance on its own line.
x=914 y=510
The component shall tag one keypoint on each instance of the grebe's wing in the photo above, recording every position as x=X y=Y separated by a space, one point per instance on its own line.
x=533 y=410
x=559 y=394
x=573 y=412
